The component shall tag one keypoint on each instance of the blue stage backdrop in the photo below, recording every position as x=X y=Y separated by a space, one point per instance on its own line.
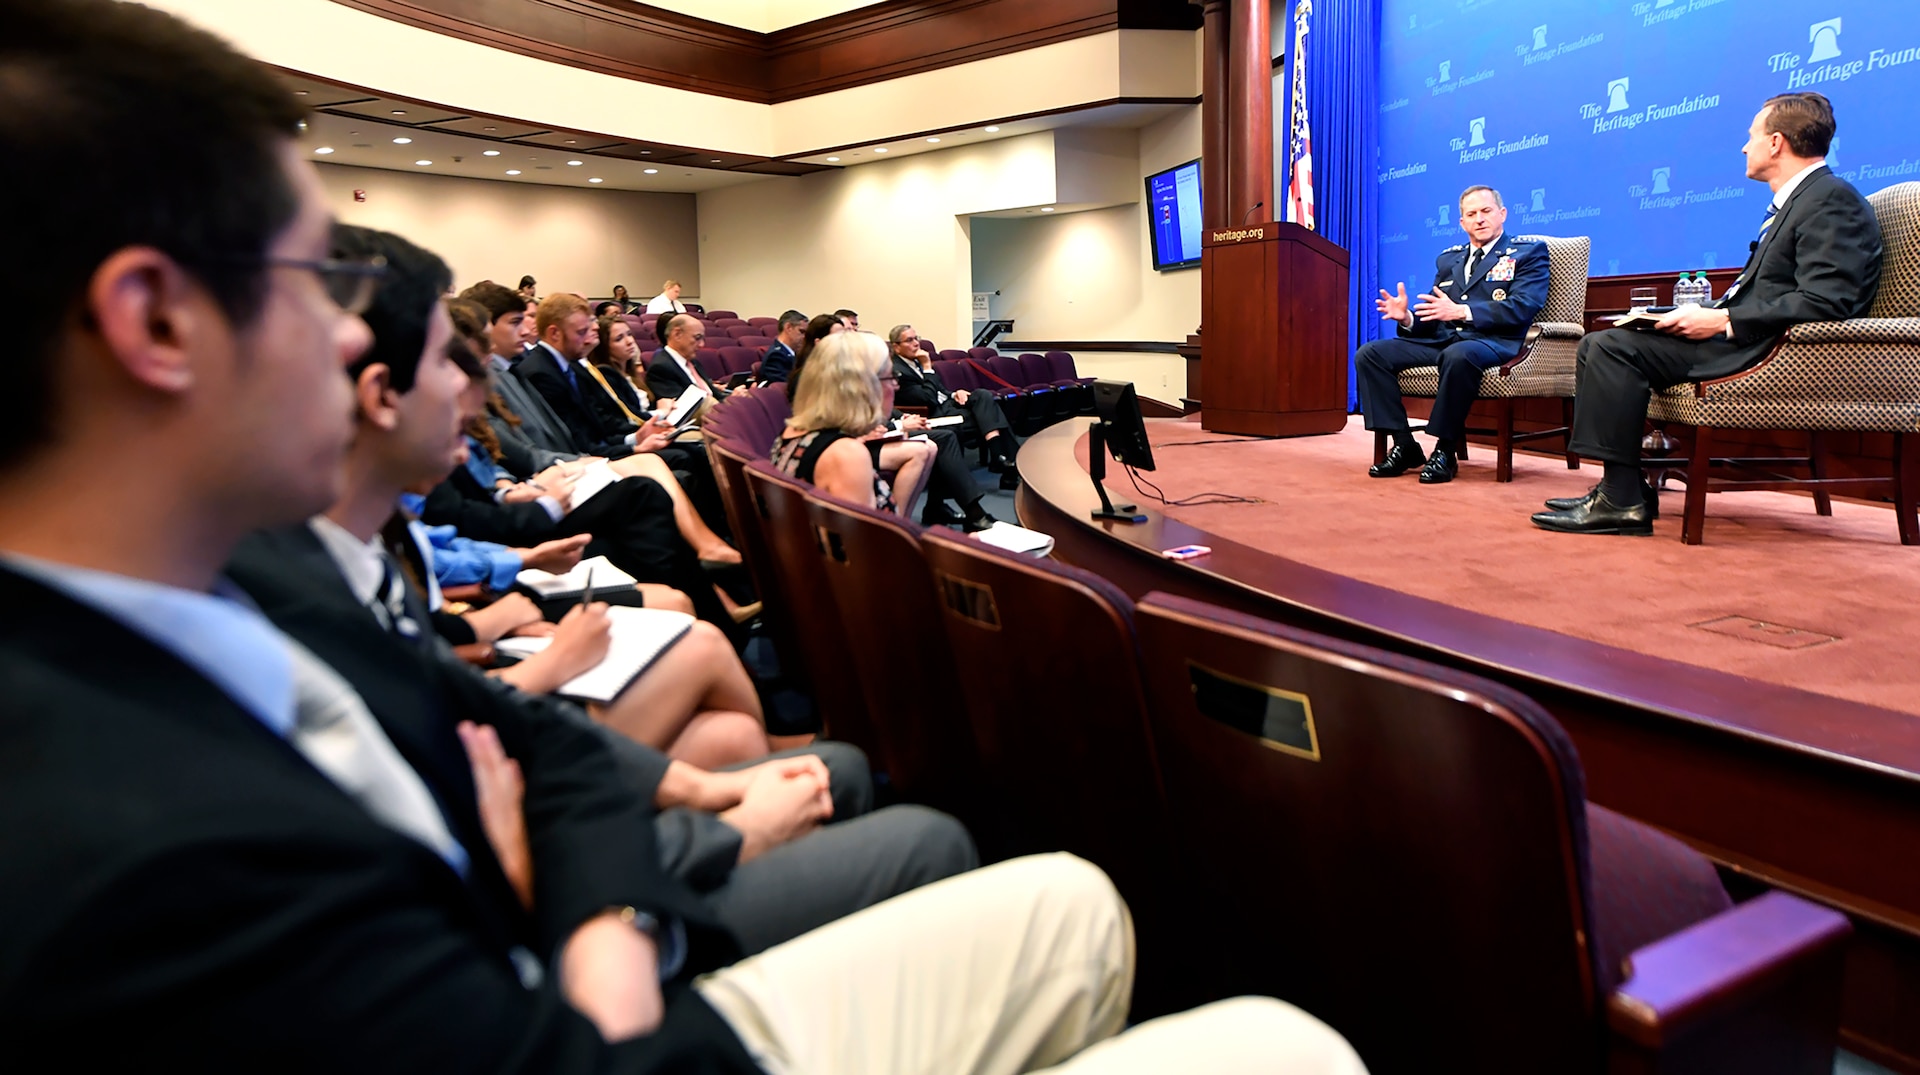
x=1624 y=121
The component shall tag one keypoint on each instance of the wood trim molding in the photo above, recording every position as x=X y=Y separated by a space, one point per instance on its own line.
x=1112 y=347
x=855 y=48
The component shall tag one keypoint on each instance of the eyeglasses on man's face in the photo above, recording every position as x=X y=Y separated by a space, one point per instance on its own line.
x=350 y=282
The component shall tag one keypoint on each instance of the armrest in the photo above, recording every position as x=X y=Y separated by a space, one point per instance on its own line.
x=472 y=593
x=921 y=411
x=1761 y=978
x=1872 y=330
x=478 y=654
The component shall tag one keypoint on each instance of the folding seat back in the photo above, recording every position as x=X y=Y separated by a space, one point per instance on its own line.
x=1063 y=367
x=720 y=315
x=981 y=354
x=820 y=656
x=1397 y=847
x=1049 y=673
x=739 y=359
x=950 y=355
x=1007 y=368
x=711 y=364
x=928 y=346
x=895 y=638
x=769 y=322
x=741 y=331
x=725 y=323
x=1035 y=369
x=730 y=459
x=758 y=343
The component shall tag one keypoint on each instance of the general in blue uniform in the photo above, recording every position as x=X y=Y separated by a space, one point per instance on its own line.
x=1485 y=294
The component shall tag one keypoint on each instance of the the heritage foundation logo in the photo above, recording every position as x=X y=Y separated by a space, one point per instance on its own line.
x=1540 y=51
x=1618 y=113
x=1823 y=40
x=1661 y=195
x=1538 y=214
x=1446 y=83
x=1539 y=200
x=1653 y=14
x=1475 y=146
x=1402 y=172
x=1478 y=127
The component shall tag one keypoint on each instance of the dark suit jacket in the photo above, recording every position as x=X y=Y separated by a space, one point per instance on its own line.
x=461 y=503
x=193 y=882
x=1820 y=261
x=538 y=422
x=776 y=364
x=541 y=371
x=666 y=380
x=917 y=388
x=1507 y=291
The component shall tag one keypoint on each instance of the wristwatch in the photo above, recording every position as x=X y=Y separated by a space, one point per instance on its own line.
x=640 y=920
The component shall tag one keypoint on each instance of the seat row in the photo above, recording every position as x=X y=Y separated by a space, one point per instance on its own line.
x=1404 y=850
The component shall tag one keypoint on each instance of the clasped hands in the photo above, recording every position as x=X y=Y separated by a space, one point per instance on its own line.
x=1695 y=322
x=1433 y=306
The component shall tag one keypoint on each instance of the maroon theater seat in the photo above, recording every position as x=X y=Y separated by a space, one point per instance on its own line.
x=1407 y=852
x=1065 y=637
x=768 y=322
x=894 y=638
x=981 y=354
x=741 y=331
x=956 y=375
x=720 y=315
x=758 y=343
x=1063 y=368
x=949 y=354
x=739 y=359
x=729 y=322
x=711 y=364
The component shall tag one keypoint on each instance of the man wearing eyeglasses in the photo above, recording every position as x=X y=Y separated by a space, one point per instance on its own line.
x=671 y=371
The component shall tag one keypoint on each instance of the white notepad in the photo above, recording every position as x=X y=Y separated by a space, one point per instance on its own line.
x=1005 y=535
x=949 y=420
x=596 y=477
x=574 y=583
x=639 y=637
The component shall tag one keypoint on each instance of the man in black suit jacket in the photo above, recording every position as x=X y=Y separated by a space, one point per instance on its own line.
x=920 y=386
x=1817 y=257
x=553 y=368
x=672 y=370
x=778 y=361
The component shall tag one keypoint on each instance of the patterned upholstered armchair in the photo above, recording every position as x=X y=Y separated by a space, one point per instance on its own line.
x=1858 y=376
x=1542 y=370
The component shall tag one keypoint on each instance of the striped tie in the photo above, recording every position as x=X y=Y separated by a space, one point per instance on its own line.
x=1772 y=211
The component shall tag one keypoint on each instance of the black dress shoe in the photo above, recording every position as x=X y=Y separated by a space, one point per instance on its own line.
x=936 y=513
x=1399 y=460
x=1441 y=467
x=1010 y=479
x=1568 y=503
x=1598 y=516
x=984 y=521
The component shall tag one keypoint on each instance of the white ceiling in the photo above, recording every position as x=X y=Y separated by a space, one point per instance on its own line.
x=765 y=16
x=366 y=143
x=1123 y=115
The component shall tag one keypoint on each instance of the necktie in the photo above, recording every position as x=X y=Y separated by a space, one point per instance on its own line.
x=594 y=372
x=573 y=383
x=1473 y=260
x=389 y=602
x=333 y=729
x=1752 y=259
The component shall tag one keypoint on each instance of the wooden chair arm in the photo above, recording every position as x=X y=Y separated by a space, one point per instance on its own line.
x=478 y=654
x=1756 y=988
x=472 y=593
x=921 y=411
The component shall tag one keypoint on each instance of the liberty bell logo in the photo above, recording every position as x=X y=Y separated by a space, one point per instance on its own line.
x=1660 y=177
x=1446 y=69
x=1617 y=95
x=1539 y=37
x=1826 y=40
x=1479 y=129
x=1540 y=200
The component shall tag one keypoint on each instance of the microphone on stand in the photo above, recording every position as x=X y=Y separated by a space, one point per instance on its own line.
x=1256 y=205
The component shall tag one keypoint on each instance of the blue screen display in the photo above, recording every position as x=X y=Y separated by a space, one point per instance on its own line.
x=1173 y=202
x=1624 y=121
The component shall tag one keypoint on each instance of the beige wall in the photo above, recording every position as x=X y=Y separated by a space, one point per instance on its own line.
x=569 y=239
x=1089 y=275
x=888 y=239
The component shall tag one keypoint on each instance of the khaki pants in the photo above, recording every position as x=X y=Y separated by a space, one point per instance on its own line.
x=1017 y=967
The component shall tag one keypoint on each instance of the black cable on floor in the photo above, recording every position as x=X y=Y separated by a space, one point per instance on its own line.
x=1194 y=501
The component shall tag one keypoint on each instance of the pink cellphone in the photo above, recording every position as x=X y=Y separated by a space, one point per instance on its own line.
x=1186 y=552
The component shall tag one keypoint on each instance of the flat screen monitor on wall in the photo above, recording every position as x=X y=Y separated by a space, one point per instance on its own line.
x=1173 y=208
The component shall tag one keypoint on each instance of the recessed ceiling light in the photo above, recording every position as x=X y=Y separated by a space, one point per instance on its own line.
x=880 y=149
x=576 y=164
x=716 y=160
x=299 y=93
x=646 y=153
x=651 y=171
x=933 y=139
x=324 y=150
x=513 y=171
x=993 y=130
x=399 y=111
x=1046 y=208
x=402 y=141
x=570 y=141
x=594 y=180
x=489 y=128
x=423 y=164
x=833 y=160
x=489 y=153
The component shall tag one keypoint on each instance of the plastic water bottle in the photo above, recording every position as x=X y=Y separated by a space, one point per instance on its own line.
x=1682 y=290
x=1703 y=288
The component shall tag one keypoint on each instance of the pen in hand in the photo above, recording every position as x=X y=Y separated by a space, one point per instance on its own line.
x=586 y=595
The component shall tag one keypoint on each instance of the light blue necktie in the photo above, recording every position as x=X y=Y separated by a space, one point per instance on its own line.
x=1772 y=212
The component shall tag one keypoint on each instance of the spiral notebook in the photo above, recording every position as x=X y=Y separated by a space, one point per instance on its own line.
x=639 y=637
x=604 y=576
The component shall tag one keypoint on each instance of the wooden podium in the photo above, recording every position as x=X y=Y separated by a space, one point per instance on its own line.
x=1273 y=305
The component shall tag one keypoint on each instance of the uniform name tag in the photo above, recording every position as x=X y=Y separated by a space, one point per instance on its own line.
x=1502 y=270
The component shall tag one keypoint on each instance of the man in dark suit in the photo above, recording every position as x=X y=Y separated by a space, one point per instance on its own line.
x=979 y=413
x=1485 y=293
x=778 y=361
x=554 y=367
x=1817 y=257
x=672 y=370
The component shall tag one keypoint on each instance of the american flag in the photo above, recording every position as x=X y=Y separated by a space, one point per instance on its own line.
x=1300 y=145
